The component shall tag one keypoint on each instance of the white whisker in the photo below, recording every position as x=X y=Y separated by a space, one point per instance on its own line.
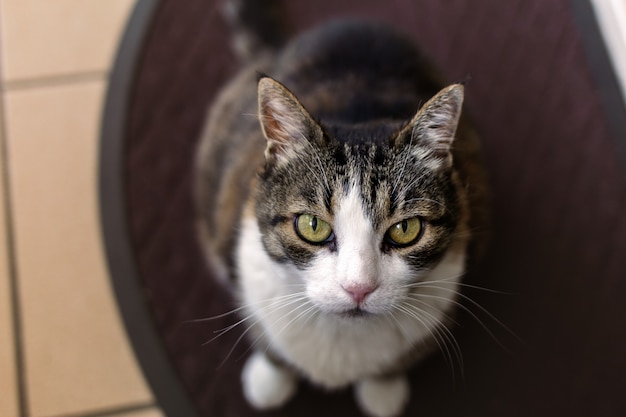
x=459 y=283
x=245 y=306
x=471 y=313
x=441 y=335
x=276 y=303
x=405 y=159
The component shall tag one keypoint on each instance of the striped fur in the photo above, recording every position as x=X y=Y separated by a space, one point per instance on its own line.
x=342 y=137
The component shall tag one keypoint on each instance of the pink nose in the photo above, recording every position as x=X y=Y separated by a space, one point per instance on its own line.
x=359 y=291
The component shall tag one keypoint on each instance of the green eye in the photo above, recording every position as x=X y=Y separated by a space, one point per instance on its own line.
x=405 y=233
x=312 y=229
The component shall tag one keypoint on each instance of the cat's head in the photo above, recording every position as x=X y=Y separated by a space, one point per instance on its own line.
x=360 y=214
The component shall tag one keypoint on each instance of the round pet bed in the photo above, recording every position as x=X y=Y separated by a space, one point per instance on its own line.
x=550 y=339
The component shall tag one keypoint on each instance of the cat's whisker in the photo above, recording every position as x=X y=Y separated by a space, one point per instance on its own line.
x=274 y=306
x=446 y=316
x=427 y=200
x=222 y=332
x=287 y=303
x=219 y=316
x=232 y=326
x=440 y=326
x=407 y=187
x=277 y=305
x=407 y=154
x=411 y=184
x=246 y=306
x=320 y=172
x=433 y=328
x=250 y=327
x=458 y=283
x=323 y=171
x=308 y=312
x=474 y=316
x=389 y=315
x=294 y=319
x=432 y=284
x=254 y=344
x=239 y=339
x=264 y=331
x=450 y=280
x=453 y=348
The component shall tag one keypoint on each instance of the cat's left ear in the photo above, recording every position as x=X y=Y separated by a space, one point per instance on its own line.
x=287 y=125
x=431 y=131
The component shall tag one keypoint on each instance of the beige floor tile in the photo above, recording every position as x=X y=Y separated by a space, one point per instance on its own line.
x=77 y=354
x=42 y=38
x=8 y=388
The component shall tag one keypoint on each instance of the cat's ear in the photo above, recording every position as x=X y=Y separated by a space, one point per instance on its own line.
x=431 y=131
x=286 y=124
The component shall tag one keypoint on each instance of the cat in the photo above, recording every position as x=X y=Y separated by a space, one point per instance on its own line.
x=340 y=211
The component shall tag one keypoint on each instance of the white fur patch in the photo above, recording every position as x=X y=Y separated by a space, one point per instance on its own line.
x=266 y=385
x=357 y=261
x=383 y=397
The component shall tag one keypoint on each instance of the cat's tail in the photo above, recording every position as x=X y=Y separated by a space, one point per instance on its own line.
x=257 y=27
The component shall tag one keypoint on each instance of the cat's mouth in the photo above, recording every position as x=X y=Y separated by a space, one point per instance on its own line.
x=356 y=312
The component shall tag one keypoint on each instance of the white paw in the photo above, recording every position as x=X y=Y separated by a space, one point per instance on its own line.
x=383 y=397
x=266 y=385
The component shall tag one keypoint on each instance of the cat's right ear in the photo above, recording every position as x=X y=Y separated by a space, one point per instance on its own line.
x=287 y=126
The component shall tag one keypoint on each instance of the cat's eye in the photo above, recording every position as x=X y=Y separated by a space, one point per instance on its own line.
x=312 y=229
x=404 y=233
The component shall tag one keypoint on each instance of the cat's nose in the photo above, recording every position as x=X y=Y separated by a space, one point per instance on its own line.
x=359 y=291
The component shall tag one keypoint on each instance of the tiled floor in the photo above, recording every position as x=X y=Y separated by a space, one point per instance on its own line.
x=72 y=356
x=63 y=351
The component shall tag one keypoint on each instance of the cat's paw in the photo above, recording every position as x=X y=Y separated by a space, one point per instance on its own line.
x=383 y=397
x=265 y=384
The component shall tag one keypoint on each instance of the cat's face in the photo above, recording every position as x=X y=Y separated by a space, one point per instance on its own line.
x=361 y=216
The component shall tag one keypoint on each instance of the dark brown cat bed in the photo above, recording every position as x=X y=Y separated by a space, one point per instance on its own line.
x=553 y=126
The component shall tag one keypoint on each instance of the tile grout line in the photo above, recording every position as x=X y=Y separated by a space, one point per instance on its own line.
x=18 y=334
x=54 y=80
x=14 y=293
x=113 y=412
